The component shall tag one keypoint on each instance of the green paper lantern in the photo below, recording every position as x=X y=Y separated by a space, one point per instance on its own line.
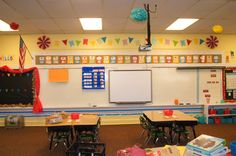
x=138 y=14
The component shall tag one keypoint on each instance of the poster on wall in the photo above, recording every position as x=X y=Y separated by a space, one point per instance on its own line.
x=93 y=77
x=229 y=84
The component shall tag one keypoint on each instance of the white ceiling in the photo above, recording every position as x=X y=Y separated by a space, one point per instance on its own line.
x=61 y=16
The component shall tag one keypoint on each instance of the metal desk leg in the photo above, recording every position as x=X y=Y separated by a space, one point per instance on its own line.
x=194 y=133
x=51 y=140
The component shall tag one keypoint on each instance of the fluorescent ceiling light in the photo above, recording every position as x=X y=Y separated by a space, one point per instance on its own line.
x=181 y=23
x=91 y=23
x=5 y=27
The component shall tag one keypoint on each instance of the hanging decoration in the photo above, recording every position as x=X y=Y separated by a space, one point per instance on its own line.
x=43 y=42
x=212 y=42
x=217 y=29
x=138 y=14
x=14 y=26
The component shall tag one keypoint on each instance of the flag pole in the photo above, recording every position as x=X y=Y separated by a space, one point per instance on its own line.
x=27 y=48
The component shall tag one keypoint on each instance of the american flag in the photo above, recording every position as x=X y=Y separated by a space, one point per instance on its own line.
x=22 y=50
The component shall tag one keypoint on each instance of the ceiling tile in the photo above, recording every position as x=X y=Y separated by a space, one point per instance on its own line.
x=204 y=8
x=227 y=11
x=68 y=23
x=27 y=8
x=117 y=9
x=87 y=8
x=58 y=8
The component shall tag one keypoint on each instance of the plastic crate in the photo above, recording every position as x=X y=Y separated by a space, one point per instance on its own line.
x=86 y=149
x=229 y=120
x=217 y=120
x=224 y=120
x=219 y=111
x=234 y=119
x=233 y=111
x=210 y=120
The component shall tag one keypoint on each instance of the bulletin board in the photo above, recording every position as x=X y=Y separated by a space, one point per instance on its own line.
x=229 y=84
x=130 y=86
x=20 y=88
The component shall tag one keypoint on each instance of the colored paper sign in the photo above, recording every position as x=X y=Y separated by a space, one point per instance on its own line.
x=141 y=59
x=55 y=59
x=113 y=59
x=127 y=59
x=106 y=59
x=70 y=59
x=84 y=59
x=99 y=59
x=189 y=59
x=77 y=59
x=120 y=59
x=176 y=59
x=134 y=59
x=58 y=75
x=92 y=59
x=155 y=59
x=63 y=59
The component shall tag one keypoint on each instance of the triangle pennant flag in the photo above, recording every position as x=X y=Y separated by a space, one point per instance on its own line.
x=85 y=41
x=93 y=43
x=189 y=42
x=160 y=40
x=167 y=42
x=71 y=43
x=125 y=42
x=110 y=42
x=77 y=42
x=64 y=41
x=117 y=40
x=175 y=42
x=154 y=41
x=130 y=39
x=201 y=41
x=104 y=39
x=99 y=41
x=137 y=42
x=183 y=43
x=196 y=41
x=56 y=44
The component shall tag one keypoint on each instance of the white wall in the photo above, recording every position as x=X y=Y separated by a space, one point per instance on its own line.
x=168 y=84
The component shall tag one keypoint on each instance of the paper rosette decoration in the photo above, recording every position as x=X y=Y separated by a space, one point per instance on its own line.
x=138 y=14
x=212 y=42
x=43 y=42
x=217 y=29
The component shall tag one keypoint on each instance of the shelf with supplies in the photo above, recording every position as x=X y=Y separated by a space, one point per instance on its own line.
x=220 y=113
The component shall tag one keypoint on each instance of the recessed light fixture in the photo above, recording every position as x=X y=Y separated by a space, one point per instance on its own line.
x=5 y=27
x=91 y=23
x=181 y=23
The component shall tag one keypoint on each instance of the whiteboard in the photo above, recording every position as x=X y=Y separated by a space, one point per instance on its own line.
x=171 y=83
x=130 y=86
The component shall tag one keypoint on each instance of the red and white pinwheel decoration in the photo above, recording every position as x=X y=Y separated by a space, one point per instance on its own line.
x=43 y=42
x=212 y=42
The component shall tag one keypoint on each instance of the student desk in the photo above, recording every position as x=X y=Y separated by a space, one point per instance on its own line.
x=178 y=118
x=85 y=122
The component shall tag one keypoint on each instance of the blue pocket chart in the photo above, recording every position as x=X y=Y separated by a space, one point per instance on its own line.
x=93 y=77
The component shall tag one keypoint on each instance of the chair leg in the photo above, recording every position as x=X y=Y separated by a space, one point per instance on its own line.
x=51 y=141
x=142 y=133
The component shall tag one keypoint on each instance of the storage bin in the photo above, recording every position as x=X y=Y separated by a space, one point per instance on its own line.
x=219 y=111
x=210 y=120
x=227 y=111
x=217 y=120
x=229 y=120
x=233 y=111
x=211 y=111
x=224 y=120
x=86 y=149
x=234 y=119
x=202 y=119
